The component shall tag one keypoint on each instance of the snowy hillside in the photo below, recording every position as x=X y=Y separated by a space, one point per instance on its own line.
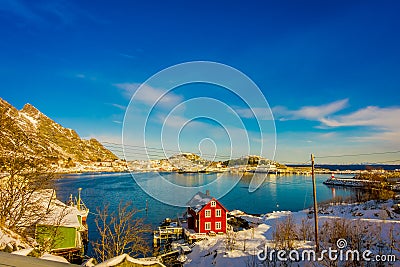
x=375 y=222
x=39 y=135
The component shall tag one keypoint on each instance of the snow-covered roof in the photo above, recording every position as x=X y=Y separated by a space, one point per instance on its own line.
x=198 y=201
x=62 y=215
x=50 y=257
x=57 y=212
x=116 y=261
x=23 y=252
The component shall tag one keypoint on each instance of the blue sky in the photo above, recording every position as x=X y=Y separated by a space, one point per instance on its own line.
x=329 y=70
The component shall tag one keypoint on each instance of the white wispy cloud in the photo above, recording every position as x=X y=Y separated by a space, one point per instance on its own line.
x=384 y=123
x=381 y=123
x=121 y=107
x=259 y=113
x=390 y=137
x=149 y=95
x=178 y=122
x=127 y=55
x=382 y=118
x=282 y=113
x=385 y=118
x=318 y=113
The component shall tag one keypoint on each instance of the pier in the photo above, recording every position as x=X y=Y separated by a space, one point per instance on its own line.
x=174 y=230
x=167 y=234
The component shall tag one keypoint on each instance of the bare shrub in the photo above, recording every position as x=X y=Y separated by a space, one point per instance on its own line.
x=305 y=230
x=359 y=235
x=394 y=238
x=25 y=175
x=120 y=232
x=285 y=233
x=333 y=230
x=230 y=240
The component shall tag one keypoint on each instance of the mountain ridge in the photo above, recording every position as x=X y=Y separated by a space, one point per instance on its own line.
x=54 y=141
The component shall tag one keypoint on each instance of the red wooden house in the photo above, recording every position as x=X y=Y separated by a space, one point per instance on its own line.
x=206 y=214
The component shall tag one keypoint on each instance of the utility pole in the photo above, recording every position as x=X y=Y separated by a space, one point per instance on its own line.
x=78 y=203
x=315 y=204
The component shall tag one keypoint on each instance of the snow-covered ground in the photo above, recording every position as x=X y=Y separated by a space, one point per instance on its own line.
x=10 y=241
x=214 y=252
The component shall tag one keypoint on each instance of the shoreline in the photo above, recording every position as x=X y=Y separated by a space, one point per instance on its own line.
x=125 y=170
x=360 y=183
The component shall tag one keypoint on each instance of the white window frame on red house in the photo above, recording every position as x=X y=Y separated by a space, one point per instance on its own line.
x=218 y=211
x=207 y=226
x=213 y=203
x=216 y=225
x=207 y=213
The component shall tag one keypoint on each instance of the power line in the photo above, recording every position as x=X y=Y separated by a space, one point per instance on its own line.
x=126 y=150
x=387 y=161
x=359 y=154
x=160 y=150
x=136 y=150
x=296 y=162
x=154 y=154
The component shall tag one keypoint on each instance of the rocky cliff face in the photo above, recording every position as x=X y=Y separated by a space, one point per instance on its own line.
x=43 y=137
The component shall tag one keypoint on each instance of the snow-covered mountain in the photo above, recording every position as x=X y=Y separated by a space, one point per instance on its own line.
x=32 y=132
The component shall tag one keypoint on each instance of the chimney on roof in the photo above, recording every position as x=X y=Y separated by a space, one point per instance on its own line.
x=207 y=192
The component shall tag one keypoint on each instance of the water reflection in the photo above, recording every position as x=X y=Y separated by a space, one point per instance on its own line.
x=277 y=192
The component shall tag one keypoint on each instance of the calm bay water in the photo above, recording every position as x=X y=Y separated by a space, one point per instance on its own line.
x=293 y=192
